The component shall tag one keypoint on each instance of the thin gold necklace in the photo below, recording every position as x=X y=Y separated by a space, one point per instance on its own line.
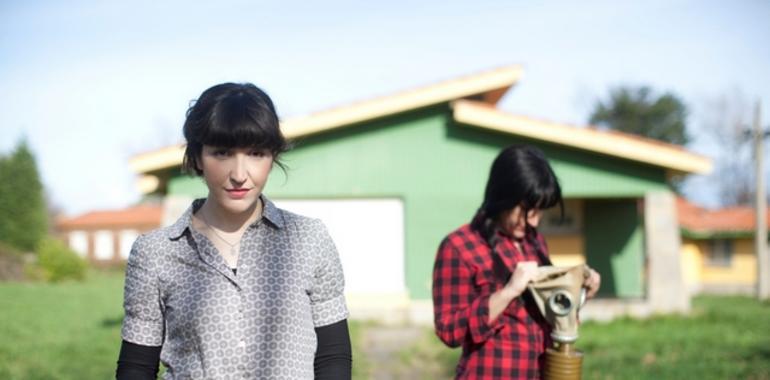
x=233 y=252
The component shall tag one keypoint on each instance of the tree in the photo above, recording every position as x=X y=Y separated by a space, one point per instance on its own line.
x=23 y=215
x=725 y=122
x=639 y=111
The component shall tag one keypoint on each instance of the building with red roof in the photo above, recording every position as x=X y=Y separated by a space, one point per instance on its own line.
x=718 y=248
x=105 y=237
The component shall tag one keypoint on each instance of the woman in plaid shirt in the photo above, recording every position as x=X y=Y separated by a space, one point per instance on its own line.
x=482 y=270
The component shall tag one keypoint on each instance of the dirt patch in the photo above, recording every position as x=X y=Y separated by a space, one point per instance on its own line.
x=11 y=265
x=399 y=353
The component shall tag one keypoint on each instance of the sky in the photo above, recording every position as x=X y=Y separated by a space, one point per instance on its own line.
x=89 y=84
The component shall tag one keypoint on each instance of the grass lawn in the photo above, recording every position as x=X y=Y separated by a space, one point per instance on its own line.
x=72 y=331
x=61 y=331
x=723 y=338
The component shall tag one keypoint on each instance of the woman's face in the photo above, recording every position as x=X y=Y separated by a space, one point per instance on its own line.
x=235 y=176
x=514 y=222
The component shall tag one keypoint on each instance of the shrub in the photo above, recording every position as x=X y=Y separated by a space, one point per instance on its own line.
x=57 y=262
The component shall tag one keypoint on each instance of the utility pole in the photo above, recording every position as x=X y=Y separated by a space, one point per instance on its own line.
x=760 y=235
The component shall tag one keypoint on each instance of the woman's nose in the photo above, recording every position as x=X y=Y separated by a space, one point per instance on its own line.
x=239 y=172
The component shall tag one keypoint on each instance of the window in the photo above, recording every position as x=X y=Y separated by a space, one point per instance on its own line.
x=78 y=241
x=104 y=247
x=552 y=223
x=720 y=253
x=127 y=238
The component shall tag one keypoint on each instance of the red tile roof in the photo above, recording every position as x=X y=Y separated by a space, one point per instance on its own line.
x=142 y=215
x=700 y=220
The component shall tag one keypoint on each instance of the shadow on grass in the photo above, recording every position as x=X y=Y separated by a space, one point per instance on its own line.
x=112 y=322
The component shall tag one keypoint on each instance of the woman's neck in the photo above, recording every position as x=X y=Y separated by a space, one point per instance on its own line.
x=227 y=221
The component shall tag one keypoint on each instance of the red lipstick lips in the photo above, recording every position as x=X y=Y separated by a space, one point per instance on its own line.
x=237 y=193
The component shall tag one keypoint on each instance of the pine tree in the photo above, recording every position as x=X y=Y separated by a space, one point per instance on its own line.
x=23 y=218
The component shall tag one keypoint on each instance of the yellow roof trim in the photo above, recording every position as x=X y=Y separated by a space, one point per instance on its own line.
x=163 y=158
x=491 y=85
x=606 y=142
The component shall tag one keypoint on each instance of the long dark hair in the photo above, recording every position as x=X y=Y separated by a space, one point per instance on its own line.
x=520 y=176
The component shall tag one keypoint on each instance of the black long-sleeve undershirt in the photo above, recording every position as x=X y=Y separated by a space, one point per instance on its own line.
x=333 y=358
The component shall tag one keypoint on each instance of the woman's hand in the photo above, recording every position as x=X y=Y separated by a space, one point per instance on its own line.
x=592 y=283
x=523 y=274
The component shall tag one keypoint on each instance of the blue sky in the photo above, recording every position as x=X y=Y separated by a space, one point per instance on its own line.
x=90 y=83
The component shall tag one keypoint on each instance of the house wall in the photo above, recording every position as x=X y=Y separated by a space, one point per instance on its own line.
x=566 y=250
x=742 y=268
x=115 y=242
x=739 y=276
x=439 y=170
x=692 y=262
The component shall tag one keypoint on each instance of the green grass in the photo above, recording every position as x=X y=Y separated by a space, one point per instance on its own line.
x=72 y=331
x=360 y=364
x=723 y=338
x=61 y=331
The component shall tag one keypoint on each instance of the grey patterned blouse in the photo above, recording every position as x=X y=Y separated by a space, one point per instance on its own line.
x=213 y=324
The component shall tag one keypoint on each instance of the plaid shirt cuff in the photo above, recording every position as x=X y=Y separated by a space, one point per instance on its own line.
x=480 y=326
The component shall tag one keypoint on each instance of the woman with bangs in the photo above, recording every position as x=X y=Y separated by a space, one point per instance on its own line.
x=482 y=270
x=237 y=287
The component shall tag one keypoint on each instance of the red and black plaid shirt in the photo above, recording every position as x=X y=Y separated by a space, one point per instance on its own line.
x=464 y=277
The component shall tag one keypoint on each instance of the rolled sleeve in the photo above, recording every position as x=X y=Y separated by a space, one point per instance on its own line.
x=327 y=292
x=459 y=311
x=143 y=322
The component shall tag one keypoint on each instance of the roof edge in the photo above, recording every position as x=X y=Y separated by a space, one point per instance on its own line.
x=491 y=85
x=613 y=143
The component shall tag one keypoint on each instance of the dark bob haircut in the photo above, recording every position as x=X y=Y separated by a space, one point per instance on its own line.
x=520 y=176
x=232 y=115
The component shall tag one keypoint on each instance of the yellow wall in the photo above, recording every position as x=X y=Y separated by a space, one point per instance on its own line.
x=698 y=272
x=742 y=269
x=566 y=250
x=692 y=261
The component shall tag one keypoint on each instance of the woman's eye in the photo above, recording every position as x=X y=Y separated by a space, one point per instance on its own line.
x=221 y=153
x=258 y=153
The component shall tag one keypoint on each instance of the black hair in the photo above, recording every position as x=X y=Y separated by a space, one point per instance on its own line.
x=520 y=176
x=232 y=115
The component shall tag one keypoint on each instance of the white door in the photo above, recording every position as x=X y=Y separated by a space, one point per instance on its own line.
x=369 y=235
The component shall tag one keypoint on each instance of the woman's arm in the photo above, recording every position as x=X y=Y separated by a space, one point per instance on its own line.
x=143 y=323
x=333 y=358
x=137 y=362
x=459 y=311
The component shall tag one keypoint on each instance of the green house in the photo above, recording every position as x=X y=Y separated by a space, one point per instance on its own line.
x=391 y=176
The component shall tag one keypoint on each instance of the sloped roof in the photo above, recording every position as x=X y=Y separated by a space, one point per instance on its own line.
x=613 y=143
x=142 y=215
x=489 y=86
x=485 y=89
x=699 y=222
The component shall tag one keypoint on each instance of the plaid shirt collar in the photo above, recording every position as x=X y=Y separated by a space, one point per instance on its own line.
x=269 y=212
